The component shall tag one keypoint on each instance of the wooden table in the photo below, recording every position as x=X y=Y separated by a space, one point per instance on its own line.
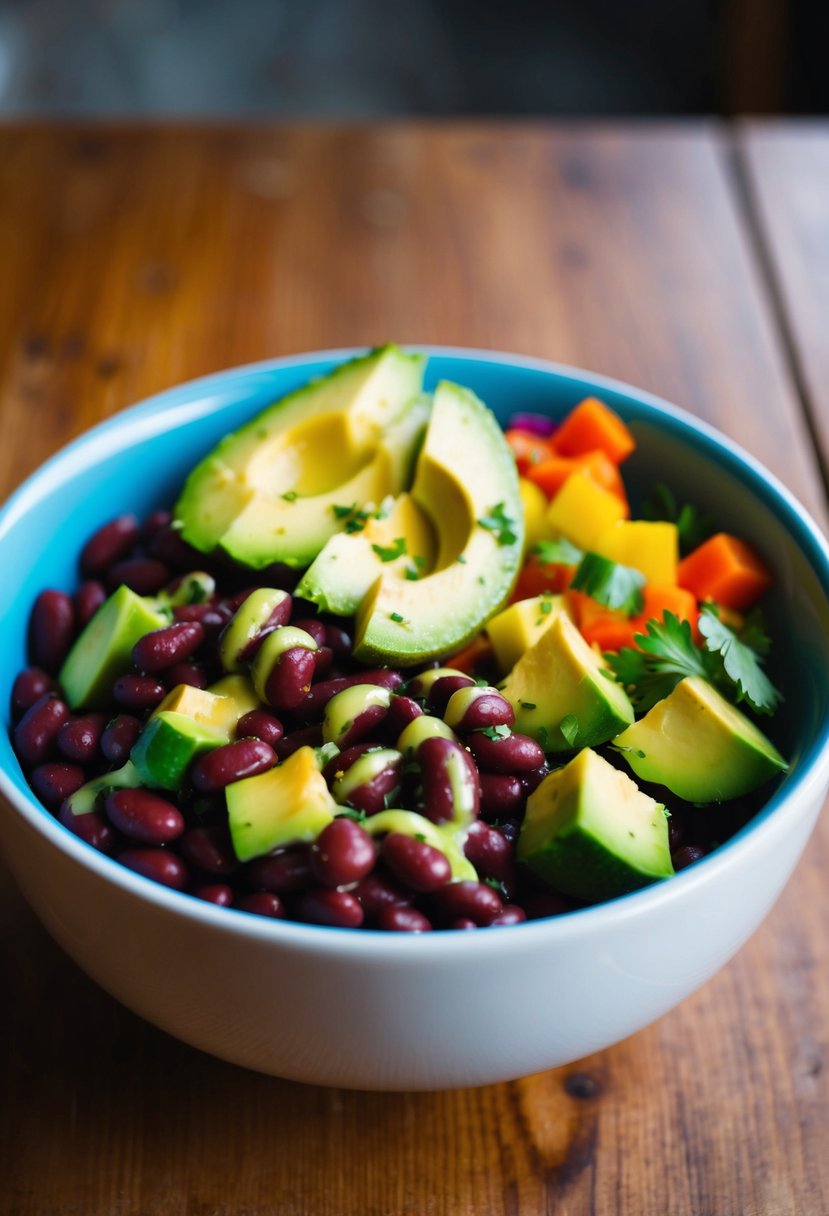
x=691 y=260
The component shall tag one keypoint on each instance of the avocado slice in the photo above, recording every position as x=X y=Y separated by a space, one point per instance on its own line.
x=102 y=651
x=467 y=484
x=285 y=805
x=700 y=746
x=398 y=540
x=562 y=693
x=267 y=492
x=517 y=629
x=592 y=833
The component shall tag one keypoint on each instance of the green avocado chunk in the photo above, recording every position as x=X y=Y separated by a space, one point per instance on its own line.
x=467 y=485
x=102 y=652
x=276 y=490
x=287 y=804
x=592 y=833
x=700 y=746
x=563 y=695
x=167 y=746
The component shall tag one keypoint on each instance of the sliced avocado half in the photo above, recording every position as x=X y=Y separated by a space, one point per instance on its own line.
x=467 y=485
x=592 y=833
x=268 y=492
x=700 y=746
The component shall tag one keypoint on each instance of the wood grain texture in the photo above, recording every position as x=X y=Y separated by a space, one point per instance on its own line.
x=787 y=175
x=136 y=257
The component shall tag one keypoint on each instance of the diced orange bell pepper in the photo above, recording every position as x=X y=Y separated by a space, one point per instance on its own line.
x=727 y=570
x=611 y=630
x=592 y=425
x=527 y=448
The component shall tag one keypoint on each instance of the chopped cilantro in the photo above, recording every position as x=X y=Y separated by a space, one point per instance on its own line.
x=388 y=553
x=460 y=558
x=741 y=661
x=610 y=583
x=558 y=552
x=419 y=836
x=569 y=727
x=500 y=524
x=350 y=813
x=397 y=618
x=292 y=496
x=342 y=512
x=494 y=732
x=527 y=704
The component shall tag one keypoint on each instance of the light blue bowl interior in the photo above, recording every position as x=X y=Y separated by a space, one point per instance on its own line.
x=137 y=462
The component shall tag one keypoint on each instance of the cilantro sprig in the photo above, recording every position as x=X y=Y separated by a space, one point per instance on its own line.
x=668 y=653
x=500 y=524
x=610 y=583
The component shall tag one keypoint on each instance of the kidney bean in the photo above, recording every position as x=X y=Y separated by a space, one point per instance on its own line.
x=53 y=782
x=513 y=754
x=419 y=730
x=92 y=828
x=539 y=904
x=311 y=736
x=154 y=522
x=502 y=795
x=232 y=603
x=109 y=545
x=264 y=610
x=143 y=816
x=395 y=919
x=676 y=830
x=262 y=903
x=289 y=680
x=366 y=783
x=209 y=616
x=314 y=626
x=510 y=829
x=215 y=893
x=322 y=906
x=29 y=686
x=51 y=629
x=163 y=647
x=449 y=780
x=36 y=733
x=473 y=901
x=532 y=780
x=143 y=575
x=686 y=856
x=167 y=546
x=314 y=704
x=416 y=864
x=159 y=865
x=259 y=724
x=118 y=738
x=342 y=853
x=323 y=662
x=376 y=892
x=87 y=600
x=402 y=711
x=477 y=708
x=287 y=870
x=209 y=849
x=184 y=673
x=339 y=641
x=510 y=914
x=491 y=854
x=442 y=691
x=79 y=738
x=420 y=686
x=232 y=762
x=353 y=714
x=137 y=693
x=462 y=922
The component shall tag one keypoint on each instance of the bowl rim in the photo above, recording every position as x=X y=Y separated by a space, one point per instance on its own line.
x=179 y=404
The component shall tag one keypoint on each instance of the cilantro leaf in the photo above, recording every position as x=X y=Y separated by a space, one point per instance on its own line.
x=569 y=727
x=494 y=732
x=388 y=553
x=692 y=525
x=351 y=813
x=500 y=524
x=342 y=512
x=292 y=496
x=740 y=663
x=558 y=552
x=667 y=655
x=610 y=583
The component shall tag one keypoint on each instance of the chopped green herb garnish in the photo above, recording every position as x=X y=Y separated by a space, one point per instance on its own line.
x=500 y=524
x=388 y=553
x=569 y=727
x=558 y=552
x=527 y=704
x=342 y=512
x=395 y=616
x=460 y=558
x=292 y=496
x=351 y=813
x=419 y=836
x=495 y=732
x=741 y=661
x=610 y=583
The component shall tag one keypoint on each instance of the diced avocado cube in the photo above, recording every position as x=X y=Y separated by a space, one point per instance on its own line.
x=592 y=833
x=287 y=804
x=168 y=744
x=103 y=650
x=562 y=693
x=700 y=746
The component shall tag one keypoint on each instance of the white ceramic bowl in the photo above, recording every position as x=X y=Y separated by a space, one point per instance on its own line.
x=364 y=1009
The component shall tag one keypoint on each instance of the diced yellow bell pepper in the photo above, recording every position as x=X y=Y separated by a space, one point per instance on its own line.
x=534 y=502
x=652 y=547
x=517 y=628
x=583 y=511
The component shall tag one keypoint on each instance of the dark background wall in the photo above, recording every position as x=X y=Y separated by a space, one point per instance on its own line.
x=356 y=58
